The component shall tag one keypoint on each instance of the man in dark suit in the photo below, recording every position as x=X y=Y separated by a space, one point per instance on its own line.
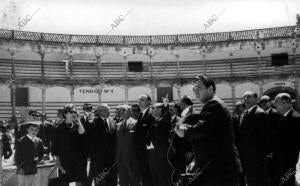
x=29 y=151
x=46 y=131
x=159 y=144
x=216 y=159
x=239 y=108
x=145 y=120
x=286 y=144
x=183 y=152
x=102 y=148
x=127 y=162
x=237 y=117
x=254 y=140
x=135 y=111
x=87 y=120
x=272 y=114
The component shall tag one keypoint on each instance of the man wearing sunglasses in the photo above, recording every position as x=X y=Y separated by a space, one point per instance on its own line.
x=216 y=159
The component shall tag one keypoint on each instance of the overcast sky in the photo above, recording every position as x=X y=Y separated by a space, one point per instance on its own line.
x=149 y=17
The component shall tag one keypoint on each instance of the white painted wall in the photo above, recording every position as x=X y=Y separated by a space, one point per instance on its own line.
x=134 y=92
x=35 y=94
x=241 y=88
x=58 y=94
x=4 y=93
x=223 y=91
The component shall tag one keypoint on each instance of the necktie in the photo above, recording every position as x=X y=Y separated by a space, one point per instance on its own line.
x=106 y=125
x=123 y=126
x=243 y=118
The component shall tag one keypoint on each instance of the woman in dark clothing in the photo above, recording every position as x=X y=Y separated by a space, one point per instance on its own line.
x=7 y=151
x=158 y=145
x=70 y=157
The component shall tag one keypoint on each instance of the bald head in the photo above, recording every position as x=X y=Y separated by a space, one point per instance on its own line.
x=283 y=103
x=265 y=102
x=144 y=101
x=250 y=99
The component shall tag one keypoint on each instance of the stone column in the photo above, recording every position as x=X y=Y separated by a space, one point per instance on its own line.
x=13 y=86
x=233 y=94
x=179 y=91
x=72 y=94
x=126 y=93
x=44 y=98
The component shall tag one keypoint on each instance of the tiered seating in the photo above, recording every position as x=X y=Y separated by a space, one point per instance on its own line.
x=244 y=66
x=52 y=107
x=266 y=68
x=298 y=63
x=217 y=68
x=5 y=68
x=190 y=69
x=55 y=70
x=165 y=70
x=28 y=69
x=5 y=111
x=112 y=70
x=85 y=70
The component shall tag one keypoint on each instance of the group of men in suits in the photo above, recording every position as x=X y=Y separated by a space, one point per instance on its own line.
x=266 y=137
x=136 y=145
x=169 y=144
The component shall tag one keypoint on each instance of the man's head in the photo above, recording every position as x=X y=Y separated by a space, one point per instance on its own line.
x=34 y=115
x=204 y=88
x=239 y=108
x=124 y=111
x=144 y=101
x=135 y=111
x=185 y=102
x=265 y=102
x=118 y=111
x=250 y=99
x=69 y=112
x=59 y=114
x=87 y=108
x=32 y=129
x=156 y=110
x=102 y=111
x=174 y=109
x=283 y=103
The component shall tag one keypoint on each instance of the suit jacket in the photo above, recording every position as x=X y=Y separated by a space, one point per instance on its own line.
x=254 y=138
x=213 y=141
x=142 y=127
x=87 y=125
x=102 y=144
x=125 y=140
x=46 y=135
x=273 y=119
x=236 y=120
x=159 y=133
x=287 y=146
x=181 y=148
x=7 y=151
x=26 y=152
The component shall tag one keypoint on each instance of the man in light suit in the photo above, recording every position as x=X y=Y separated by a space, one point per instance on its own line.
x=127 y=163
